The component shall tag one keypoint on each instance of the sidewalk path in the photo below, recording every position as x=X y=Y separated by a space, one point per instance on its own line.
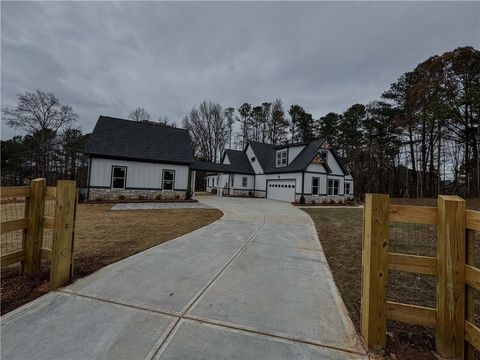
x=253 y=285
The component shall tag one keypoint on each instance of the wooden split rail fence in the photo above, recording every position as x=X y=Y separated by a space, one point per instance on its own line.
x=454 y=267
x=32 y=200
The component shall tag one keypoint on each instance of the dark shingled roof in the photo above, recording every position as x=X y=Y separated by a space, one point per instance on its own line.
x=266 y=156
x=113 y=137
x=239 y=161
x=211 y=167
x=265 y=153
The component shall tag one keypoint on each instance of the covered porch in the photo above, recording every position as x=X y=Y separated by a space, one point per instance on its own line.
x=223 y=176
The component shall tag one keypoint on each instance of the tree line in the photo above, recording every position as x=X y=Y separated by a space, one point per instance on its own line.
x=420 y=138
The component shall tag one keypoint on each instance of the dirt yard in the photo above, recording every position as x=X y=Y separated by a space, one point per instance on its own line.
x=102 y=237
x=340 y=232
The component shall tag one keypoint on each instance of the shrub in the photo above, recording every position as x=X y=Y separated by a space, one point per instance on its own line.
x=250 y=193
x=82 y=196
x=302 y=199
x=98 y=199
x=158 y=196
x=177 y=196
x=141 y=197
x=188 y=194
x=332 y=201
x=121 y=197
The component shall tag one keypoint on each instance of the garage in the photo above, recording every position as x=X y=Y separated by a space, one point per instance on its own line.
x=281 y=190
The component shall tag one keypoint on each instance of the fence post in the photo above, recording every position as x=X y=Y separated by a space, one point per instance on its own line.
x=34 y=235
x=62 y=246
x=451 y=277
x=470 y=292
x=374 y=271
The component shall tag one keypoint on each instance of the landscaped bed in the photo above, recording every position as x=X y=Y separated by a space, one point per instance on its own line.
x=102 y=237
x=340 y=232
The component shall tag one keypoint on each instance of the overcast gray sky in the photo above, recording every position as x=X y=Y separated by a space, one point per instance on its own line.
x=109 y=57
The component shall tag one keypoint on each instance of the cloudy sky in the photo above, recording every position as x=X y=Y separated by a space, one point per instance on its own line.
x=109 y=57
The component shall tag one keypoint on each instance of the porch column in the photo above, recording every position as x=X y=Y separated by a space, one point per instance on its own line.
x=221 y=184
x=192 y=185
x=218 y=183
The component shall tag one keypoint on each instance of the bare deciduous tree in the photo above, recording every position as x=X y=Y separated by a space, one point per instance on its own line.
x=40 y=115
x=37 y=111
x=208 y=130
x=139 y=114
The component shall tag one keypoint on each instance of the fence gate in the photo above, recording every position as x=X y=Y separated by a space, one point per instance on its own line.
x=38 y=223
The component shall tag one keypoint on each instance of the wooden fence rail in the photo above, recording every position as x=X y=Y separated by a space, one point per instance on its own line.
x=33 y=224
x=454 y=267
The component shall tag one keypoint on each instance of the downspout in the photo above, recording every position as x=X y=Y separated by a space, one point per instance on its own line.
x=303 y=182
x=88 y=176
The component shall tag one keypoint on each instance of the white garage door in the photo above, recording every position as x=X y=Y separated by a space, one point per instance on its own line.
x=281 y=190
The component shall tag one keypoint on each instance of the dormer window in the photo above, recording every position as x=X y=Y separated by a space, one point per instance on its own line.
x=282 y=158
x=252 y=159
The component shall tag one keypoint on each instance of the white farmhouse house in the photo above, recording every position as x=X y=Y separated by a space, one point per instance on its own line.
x=129 y=159
x=281 y=172
x=135 y=159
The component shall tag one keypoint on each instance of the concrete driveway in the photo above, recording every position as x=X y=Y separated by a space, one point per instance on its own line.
x=253 y=285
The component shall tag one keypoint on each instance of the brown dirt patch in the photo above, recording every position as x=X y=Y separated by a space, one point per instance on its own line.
x=103 y=237
x=340 y=232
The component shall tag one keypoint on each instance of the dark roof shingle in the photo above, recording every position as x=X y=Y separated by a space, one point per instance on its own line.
x=113 y=137
x=266 y=156
x=239 y=161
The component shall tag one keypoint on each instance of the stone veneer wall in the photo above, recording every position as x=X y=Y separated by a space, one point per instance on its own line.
x=260 y=194
x=238 y=192
x=324 y=199
x=109 y=194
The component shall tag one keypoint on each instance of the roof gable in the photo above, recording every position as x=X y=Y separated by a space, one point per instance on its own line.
x=114 y=137
x=239 y=161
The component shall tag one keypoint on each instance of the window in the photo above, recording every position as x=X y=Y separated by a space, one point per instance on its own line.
x=168 y=179
x=315 y=182
x=252 y=159
x=347 y=188
x=119 y=174
x=244 y=181
x=332 y=187
x=282 y=158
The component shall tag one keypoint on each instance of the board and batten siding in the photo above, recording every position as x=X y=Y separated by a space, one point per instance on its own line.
x=255 y=164
x=293 y=152
x=140 y=175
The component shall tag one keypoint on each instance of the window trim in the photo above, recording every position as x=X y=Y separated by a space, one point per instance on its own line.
x=318 y=185
x=345 y=187
x=163 y=180
x=116 y=177
x=281 y=153
x=246 y=181
x=337 y=181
